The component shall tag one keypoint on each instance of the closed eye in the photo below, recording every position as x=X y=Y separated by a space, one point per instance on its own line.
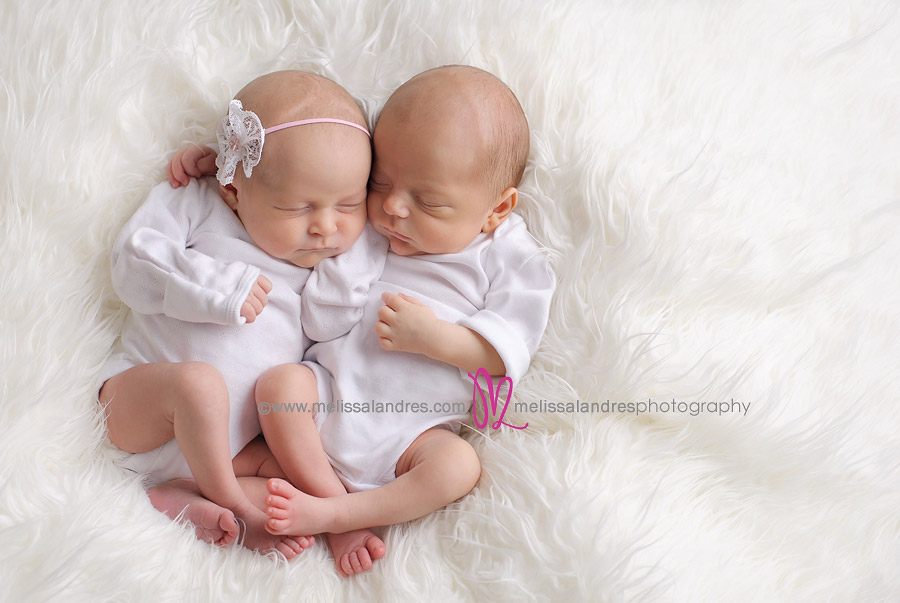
x=378 y=186
x=427 y=205
x=294 y=210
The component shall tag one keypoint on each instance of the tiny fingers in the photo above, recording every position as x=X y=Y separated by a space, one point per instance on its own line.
x=391 y=300
x=385 y=334
x=190 y=160
x=180 y=175
x=265 y=283
x=382 y=329
x=255 y=302
x=248 y=312
x=258 y=301
x=172 y=182
x=386 y=314
x=189 y=165
x=174 y=175
x=207 y=163
x=411 y=300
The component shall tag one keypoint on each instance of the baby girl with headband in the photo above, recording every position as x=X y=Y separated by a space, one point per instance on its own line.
x=213 y=274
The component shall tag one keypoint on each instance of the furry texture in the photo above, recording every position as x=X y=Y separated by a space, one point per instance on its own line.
x=719 y=185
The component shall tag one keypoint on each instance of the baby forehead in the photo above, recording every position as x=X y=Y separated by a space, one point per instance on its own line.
x=452 y=120
x=444 y=98
x=424 y=141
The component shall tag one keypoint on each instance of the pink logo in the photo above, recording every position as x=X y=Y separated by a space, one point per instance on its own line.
x=494 y=395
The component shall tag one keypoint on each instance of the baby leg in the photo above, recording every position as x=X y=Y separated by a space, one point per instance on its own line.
x=256 y=460
x=150 y=404
x=436 y=469
x=181 y=498
x=294 y=440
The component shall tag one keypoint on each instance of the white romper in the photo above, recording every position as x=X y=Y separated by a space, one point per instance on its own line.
x=184 y=264
x=499 y=286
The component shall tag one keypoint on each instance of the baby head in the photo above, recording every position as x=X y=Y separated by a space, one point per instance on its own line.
x=450 y=149
x=305 y=199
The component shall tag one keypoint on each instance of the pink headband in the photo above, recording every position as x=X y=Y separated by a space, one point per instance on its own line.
x=241 y=138
x=318 y=120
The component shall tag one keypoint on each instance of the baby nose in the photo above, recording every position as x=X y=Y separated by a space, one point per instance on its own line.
x=322 y=224
x=394 y=206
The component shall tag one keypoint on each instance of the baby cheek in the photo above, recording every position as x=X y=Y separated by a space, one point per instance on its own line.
x=350 y=226
x=294 y=234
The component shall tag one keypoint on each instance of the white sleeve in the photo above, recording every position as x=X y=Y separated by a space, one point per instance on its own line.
x=155 y=272
x=336 y=292
x=517 y=305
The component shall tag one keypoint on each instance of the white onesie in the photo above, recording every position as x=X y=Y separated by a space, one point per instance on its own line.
x=499 y=286
x=184 y=264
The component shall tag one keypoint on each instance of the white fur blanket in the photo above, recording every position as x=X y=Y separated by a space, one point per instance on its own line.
x=719 y=184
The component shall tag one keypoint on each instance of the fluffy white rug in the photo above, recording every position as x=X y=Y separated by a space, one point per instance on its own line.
x=719 y=184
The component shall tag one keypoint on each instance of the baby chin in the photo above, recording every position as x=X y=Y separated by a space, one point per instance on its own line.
x=308 y=258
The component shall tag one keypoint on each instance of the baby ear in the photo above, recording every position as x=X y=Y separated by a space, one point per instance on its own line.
x=230 y=195
x=508 y=200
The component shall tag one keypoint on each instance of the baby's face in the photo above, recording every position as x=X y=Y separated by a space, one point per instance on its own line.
x=311 y=204
x=426 y=193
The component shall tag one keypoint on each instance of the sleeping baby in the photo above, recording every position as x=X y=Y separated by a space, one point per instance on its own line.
x=214 y=274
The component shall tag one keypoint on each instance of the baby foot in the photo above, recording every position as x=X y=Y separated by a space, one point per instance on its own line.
x=257 y=538
x=219 y=525
x=291 y=511
x=354 y=551
x=211 y=522
x=291 y=546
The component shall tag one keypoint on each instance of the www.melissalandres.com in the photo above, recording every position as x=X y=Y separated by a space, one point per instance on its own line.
x=637 y=407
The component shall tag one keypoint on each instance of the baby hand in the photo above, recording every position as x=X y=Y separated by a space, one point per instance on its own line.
x=405 y=324
x=257 y=299
x=193 y=161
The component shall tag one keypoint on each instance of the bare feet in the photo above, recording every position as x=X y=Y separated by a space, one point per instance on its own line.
x=220 y=526
x=291 y=510
x=212 y=523
x=256 y=538
x=354 y=551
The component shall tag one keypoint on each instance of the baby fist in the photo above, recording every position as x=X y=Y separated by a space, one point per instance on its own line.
x=257 y=299
x=405 y=324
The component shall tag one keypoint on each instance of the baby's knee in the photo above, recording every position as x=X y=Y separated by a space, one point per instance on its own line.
x=200 y=384
x=463 y=469
x=276 y=381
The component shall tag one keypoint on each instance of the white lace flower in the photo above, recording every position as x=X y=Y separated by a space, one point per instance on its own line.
x=241 y=138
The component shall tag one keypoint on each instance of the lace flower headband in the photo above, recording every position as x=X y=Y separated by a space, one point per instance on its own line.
x=241 y=137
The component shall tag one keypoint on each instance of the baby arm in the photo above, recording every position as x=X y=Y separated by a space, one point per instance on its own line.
x=503 y=335
x=196 y=161
x=155 y=271
x=407 y=325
